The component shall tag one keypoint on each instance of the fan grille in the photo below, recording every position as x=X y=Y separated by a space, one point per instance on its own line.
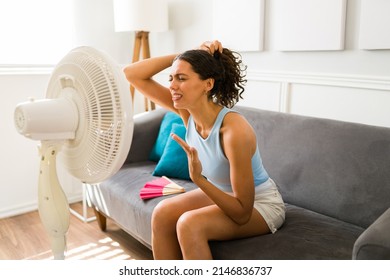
x=104 y=133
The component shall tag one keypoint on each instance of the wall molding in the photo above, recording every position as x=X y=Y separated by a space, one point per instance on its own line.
x=288 y=89
x=323 y=79
x=16 y=70
x=287 y=79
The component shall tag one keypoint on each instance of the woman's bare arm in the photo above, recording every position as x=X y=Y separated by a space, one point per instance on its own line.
x=239 y=146
x=140 y=76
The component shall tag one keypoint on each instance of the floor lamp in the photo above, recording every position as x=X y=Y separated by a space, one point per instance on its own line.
x=141 y=17
x=141 y=41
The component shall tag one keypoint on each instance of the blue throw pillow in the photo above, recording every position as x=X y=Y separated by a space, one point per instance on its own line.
x=173 y=162
x=165 y=129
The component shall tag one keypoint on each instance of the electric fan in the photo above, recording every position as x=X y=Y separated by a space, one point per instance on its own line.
x=86 y=121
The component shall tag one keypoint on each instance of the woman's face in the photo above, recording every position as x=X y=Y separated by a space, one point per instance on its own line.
x=186 y=87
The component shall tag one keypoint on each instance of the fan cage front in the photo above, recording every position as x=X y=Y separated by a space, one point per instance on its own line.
x=102 y=96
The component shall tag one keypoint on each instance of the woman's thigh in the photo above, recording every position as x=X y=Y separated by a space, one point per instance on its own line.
x=196 y=208
x=173 y=207
x=216 y=225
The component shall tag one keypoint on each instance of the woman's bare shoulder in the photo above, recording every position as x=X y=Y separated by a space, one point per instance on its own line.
x=237 y=130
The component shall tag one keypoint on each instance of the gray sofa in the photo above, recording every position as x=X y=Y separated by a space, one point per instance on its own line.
x=334 y=177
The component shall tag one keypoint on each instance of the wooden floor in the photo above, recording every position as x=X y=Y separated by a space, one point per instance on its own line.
x=24 y=237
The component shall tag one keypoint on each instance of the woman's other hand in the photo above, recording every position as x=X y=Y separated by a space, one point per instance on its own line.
x=212 y=46
x=194 y=164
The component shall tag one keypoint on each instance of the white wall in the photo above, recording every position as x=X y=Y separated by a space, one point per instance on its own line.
x=19 y=163
x=19 y=160
x=94 y=26
x=351 y=85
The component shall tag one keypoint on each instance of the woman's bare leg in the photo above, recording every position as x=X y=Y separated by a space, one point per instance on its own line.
x=197 y=227
x=165 y=243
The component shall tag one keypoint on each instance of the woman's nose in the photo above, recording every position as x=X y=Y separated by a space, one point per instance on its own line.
x=172 y=84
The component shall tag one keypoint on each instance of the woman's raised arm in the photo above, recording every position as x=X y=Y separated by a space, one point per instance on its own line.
x=140 y=75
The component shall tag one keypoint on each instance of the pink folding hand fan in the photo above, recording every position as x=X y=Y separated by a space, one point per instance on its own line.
x=160 y=187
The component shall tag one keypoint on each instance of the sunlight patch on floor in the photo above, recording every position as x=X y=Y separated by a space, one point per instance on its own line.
x=104 y=249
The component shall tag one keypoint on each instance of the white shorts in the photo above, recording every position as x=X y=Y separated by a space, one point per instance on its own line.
x=270 y=205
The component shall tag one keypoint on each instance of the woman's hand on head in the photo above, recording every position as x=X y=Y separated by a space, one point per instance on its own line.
x=212 y=46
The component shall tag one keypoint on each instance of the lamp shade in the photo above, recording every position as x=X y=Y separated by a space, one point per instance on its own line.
x=141 y=15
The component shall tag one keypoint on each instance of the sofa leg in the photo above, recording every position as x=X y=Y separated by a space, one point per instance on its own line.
x=101 y=219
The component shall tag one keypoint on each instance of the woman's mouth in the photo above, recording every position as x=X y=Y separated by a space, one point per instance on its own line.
x=176 y=97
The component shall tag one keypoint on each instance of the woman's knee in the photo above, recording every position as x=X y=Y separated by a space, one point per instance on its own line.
x=164 y=214
x=188 y=227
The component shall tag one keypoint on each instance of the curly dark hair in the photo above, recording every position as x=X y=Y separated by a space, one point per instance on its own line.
x=225 y=68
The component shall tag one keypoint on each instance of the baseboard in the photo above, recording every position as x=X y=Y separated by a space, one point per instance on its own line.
x=31 y=206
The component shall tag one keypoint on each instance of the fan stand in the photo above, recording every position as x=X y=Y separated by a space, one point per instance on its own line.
x=141 y=40
x=85 y=203
x=52 y=203
x=84 y=78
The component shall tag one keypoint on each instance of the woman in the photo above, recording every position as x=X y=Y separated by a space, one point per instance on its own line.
x=236 y=198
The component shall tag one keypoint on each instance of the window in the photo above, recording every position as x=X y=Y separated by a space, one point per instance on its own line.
x=35 y=32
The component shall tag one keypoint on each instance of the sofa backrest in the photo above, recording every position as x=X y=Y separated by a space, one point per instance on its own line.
x=335 y=168
x=147 y=126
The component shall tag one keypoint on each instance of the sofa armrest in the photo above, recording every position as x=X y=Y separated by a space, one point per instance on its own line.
x=146 y=128
x=374 y=242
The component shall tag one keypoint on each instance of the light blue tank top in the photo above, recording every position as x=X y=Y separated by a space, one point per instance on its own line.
x=215 y=165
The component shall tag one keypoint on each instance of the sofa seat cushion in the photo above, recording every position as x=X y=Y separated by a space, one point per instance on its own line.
x=118 y=198
x=304 y=235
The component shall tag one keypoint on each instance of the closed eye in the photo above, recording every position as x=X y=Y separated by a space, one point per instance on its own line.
x=179 y=77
